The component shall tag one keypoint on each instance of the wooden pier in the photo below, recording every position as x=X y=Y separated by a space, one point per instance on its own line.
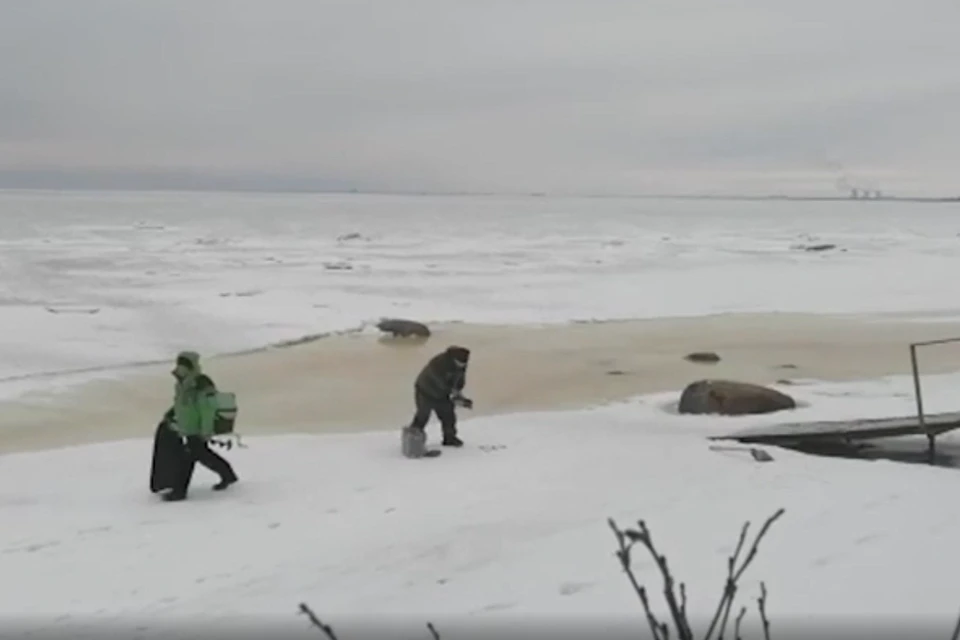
x=846 y=432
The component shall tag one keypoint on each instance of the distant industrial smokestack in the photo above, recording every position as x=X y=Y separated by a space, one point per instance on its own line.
x=845 y=183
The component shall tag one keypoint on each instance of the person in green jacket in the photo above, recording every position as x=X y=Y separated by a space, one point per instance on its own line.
x=193 y=413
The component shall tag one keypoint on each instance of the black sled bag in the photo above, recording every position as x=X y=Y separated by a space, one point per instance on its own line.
x=169 y=456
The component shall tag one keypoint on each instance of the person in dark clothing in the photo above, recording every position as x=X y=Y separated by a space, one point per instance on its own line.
x=198 y=450
x=194 y=411
x=439 y=389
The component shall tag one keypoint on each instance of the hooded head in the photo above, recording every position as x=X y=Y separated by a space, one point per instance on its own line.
x=459 y=355
x=187 y=365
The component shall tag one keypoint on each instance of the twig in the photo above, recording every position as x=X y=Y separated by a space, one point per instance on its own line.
x=433 y=631
x=315 y=621
x=762 y=605
x=730 y=587
x=756 y=543
x=623 y=554
x=956 y=631
x=736 y=628
x=734 y=574
x=683 y=600
x=676 y=611
x=730 y=593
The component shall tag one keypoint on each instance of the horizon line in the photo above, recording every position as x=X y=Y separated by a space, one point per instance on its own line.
x=466 y=193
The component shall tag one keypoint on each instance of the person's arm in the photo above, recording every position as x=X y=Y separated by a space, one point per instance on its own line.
x=457 y=395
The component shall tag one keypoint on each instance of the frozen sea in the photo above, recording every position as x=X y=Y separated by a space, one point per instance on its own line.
x=95 y=279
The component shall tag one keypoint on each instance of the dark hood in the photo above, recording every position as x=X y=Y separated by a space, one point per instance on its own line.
x=460 y=354
x=191 y=359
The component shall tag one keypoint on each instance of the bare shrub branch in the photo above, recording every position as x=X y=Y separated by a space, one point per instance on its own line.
x=736 y=628
x=956 y=631
x=734 y=573
x=762 y=606
x=625 y=543
x=626 y=539
x=315 y=621
x=676 y=611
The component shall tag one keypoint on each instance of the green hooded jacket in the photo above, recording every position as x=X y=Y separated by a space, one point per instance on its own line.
x=194 y=397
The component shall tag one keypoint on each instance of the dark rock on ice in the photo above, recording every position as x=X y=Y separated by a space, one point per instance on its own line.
x=404 y=328
x=727 y=397
x=703 y=357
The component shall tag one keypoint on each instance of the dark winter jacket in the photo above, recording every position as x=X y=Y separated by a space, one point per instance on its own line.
x=442 y=377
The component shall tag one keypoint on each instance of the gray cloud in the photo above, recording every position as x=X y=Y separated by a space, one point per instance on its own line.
x=555 y=95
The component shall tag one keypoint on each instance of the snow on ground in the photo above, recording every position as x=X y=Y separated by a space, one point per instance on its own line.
x=345 y=524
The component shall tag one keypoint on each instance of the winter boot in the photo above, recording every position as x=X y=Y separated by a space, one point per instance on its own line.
x=452 y=441
x=174 y=496
x=225 y=482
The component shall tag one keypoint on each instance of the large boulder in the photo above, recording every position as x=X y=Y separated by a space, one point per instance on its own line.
x=729 y=398
x=404 y=328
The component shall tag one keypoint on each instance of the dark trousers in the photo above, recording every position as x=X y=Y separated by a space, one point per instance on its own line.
x=197 y=450
x=444 y=409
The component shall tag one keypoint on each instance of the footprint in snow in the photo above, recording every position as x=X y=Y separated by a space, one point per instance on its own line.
x=91 y=530
x=822 y=561
x=570 y=588
x=499 y=606
x=873 y=504
x=867 y=538
x=940 y=526
x=33 y=547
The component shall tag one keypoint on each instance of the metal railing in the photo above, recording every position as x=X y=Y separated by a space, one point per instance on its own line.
x=931 y=437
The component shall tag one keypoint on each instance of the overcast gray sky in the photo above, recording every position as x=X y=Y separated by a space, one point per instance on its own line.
x=488 y=95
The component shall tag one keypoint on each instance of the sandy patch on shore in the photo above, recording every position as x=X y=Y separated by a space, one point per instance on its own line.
x=357 y=382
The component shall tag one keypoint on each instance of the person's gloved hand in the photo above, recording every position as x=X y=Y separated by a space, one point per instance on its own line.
x=466 y=403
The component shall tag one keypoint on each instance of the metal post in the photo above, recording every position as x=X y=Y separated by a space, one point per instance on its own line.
x=931 y=439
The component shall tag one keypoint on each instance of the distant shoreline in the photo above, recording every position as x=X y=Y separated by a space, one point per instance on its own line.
x=306 y=190
x=955 y=199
